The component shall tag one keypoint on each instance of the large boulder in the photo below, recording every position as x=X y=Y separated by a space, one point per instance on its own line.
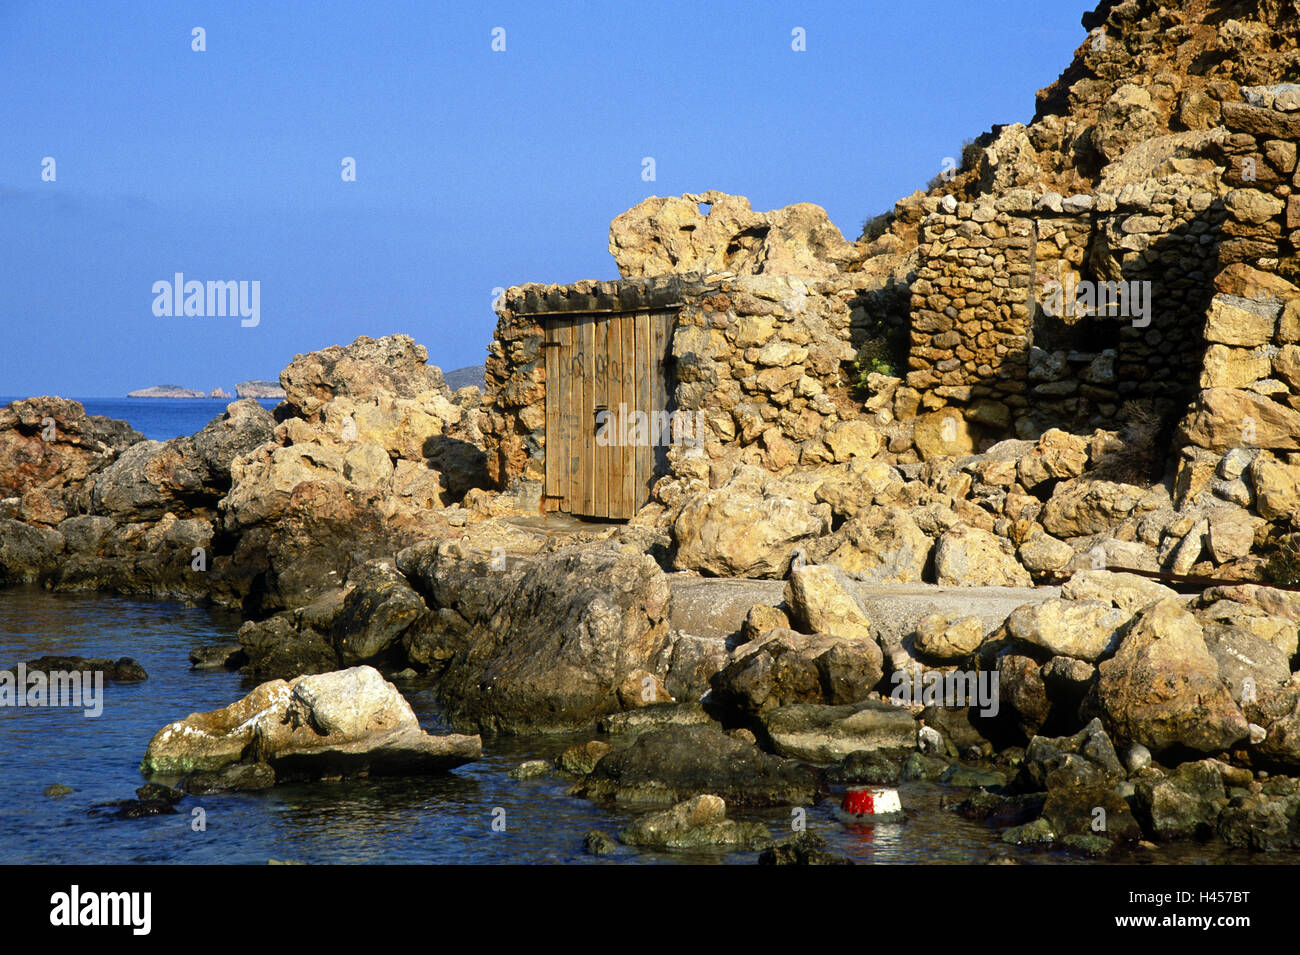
x=393 y=365
x=966 y=556
x=48 y=448
x=819 y=603
x=662 y=235
x=347 y=722
x=1225 y=418
x=827 y=734
x=1163 y=688
x=669 y=765
x=1083 y=507
x=549 y=642
x=880 y=544
x=183 y=475
x=1085 y=630
x=1184 y=804
x=736 y=533
x=784 y=667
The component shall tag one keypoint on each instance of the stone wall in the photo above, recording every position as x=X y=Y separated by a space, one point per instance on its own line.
x=998 y=333
x=763 y=357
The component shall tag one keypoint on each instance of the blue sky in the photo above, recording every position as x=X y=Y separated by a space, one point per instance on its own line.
x=475 y=169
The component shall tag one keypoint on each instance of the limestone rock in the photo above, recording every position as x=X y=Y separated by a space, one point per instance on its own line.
x=784 y=667
x=742 y=534
x=697 y=822
x=1225 y=418
x=1085 y=630
x=966 y=556
x=819 y=603
x=667 y=766
x=347 y=722
x=662 y=235
x=393 y=365
x=827 y=734
x=1162 y=687
x=947 y=637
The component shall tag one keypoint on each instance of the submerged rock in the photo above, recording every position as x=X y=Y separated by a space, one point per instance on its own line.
x=698 y=822
x=806 y=848
x=667 y=766
x=122 y=670
x=827 y=734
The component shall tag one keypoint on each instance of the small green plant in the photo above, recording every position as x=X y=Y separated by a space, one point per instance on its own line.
x=1283 y=567
x=873 y=358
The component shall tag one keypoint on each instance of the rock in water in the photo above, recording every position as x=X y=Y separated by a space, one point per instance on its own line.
x=698 y=822
x=345 y=723
x=667 y=766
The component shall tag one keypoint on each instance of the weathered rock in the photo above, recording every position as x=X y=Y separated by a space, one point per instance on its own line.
x=1128 y=592
x=376 y=612
x=827 y=734
x=941 y=434
x=883 y=544
x=1083 y=507
x=1183 y=805
x=393 y=365
x=739 y=534
x=1162 y=687
x=551 y=641
x=1226 y=418
x=947 y=637
x=966 y=556
x=349 y=722
x=819 y=603
x=1277 y=488
x=1085 y=759
x=1247 y=663
x=51 y=443
x=667 y=766
x=785 y=667
x=671 y=234
x=1056 y=455
x=1085 y=630
x=698 y=822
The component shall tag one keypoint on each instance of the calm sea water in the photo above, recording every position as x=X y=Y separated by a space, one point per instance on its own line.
x=447 y=819
x=159 y=419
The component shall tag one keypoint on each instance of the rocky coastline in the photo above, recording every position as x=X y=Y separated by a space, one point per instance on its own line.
x=1084 y=631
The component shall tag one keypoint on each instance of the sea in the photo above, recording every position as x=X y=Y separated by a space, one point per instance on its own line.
x=474 y=814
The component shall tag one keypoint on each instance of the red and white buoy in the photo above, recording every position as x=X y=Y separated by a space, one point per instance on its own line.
x=871 y=805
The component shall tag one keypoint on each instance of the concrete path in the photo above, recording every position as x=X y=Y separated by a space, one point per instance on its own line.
x=715 y=608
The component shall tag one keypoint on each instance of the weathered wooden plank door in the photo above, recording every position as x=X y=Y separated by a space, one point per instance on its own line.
x=612 y=363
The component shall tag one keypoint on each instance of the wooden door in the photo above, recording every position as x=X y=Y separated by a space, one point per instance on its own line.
x=617 y=364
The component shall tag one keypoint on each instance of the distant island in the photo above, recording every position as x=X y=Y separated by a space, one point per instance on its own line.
x=259 y=389
x=166 y=391
x=245 y=389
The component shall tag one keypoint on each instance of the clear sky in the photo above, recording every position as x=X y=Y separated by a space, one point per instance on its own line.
x=475 y=169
